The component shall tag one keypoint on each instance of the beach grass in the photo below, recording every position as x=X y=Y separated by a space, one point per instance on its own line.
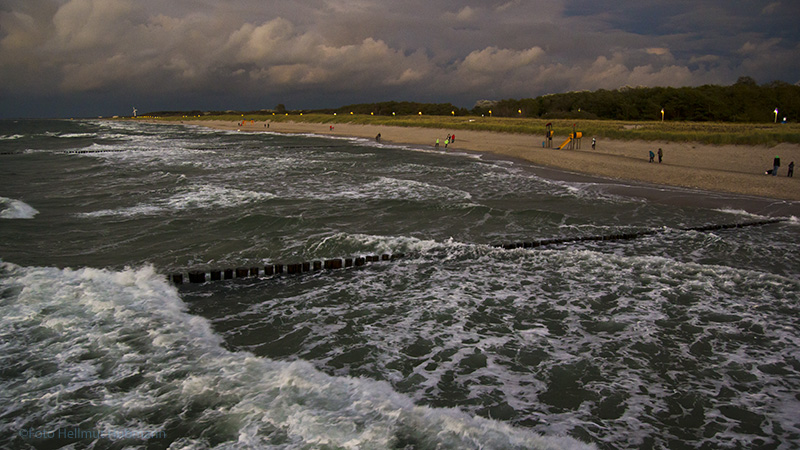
x=715 y=133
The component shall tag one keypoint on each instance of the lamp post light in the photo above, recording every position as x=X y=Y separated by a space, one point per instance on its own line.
x=776 y=115
x=662 y=114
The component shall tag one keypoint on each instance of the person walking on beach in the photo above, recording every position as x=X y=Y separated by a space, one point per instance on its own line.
x=594 y=141
x=791 y=170
x=446 y=141
x=437 y=142
x=660 y=155
x=775 y=164
x=453 y=138
x=652 y=155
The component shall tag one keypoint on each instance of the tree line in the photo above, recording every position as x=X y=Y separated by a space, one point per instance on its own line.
x=744 y=101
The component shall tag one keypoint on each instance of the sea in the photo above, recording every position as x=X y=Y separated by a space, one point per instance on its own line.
x=676 y=339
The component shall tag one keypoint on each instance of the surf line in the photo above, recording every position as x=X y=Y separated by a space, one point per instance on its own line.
x=201 y=276
x=634 y=235
x=269 y=270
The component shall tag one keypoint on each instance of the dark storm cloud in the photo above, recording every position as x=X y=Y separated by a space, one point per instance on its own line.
x=248 y=53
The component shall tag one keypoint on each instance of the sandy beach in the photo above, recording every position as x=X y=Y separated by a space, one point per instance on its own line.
x=728 y=168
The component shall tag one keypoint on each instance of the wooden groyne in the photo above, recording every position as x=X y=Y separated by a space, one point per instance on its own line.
x=632 y=235
x=271 y=270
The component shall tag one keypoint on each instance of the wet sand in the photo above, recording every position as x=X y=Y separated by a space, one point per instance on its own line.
x=702 y=173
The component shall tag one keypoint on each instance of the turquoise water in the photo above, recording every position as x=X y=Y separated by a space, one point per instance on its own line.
x=680 y=339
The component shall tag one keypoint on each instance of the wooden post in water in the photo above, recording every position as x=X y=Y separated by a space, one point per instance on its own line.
x=197 y=277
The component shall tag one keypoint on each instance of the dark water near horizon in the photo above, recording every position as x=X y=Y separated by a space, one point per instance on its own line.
x=681 y=339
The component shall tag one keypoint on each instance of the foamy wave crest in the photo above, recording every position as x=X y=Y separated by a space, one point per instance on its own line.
x=77 y=135
x=11 y=137
x=343 y=242
x=192 y=197
x=16 y=209
x=111 y=351
x=387 y=188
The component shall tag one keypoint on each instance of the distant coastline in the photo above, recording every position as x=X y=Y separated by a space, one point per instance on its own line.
x=735 y=169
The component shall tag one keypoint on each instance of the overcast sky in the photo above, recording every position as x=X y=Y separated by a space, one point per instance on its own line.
x=68 y=58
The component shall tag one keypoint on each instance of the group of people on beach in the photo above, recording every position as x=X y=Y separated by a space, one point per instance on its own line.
x=776 y=163
x=450 y=139
x=660 y=155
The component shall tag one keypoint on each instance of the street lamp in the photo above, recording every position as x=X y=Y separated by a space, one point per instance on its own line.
x=662 y=114
x=776 y=115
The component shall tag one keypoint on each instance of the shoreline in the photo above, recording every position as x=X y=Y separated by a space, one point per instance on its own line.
x=692 y=173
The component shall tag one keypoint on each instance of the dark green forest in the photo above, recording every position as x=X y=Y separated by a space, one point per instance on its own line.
x=745 y=101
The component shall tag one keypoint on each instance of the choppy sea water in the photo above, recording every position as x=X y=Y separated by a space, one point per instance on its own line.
x=680 y=339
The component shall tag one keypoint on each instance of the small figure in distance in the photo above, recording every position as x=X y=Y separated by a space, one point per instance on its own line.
x=652 y=156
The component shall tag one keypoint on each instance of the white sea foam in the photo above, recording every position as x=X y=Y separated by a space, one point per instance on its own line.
x=16 y=209
x=77 y=135
x=11 y=137
x=741 y=212
x=389 y=188
x=81 y=343
x=189 y=197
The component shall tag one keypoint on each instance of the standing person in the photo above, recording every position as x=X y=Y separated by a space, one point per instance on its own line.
x=446 y=141
x=652 y=155
x=775 y=164
x=453 y=138
x=594 y=141
x=791 y=169
x=437 y=142
x=660 y=155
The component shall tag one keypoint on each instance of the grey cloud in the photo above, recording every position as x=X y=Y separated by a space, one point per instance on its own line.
x=438 y=51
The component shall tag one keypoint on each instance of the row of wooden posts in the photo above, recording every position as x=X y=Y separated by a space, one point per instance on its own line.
x=633 y=235
x=200 y=276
